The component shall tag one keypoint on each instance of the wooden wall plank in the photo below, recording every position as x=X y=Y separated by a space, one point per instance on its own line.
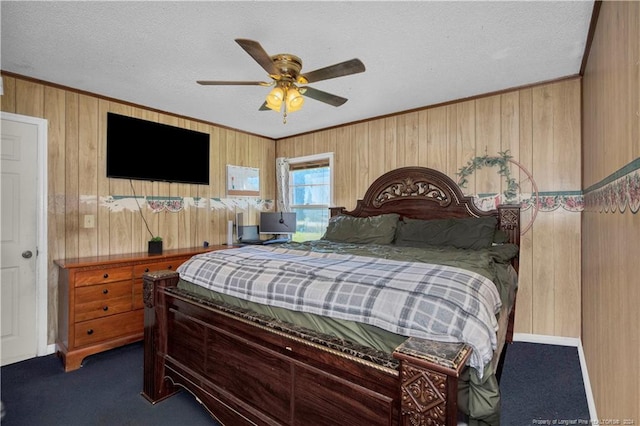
x=543 y=232
x=525 y=304
x=390 y=144
x=411 y=138
x=8 y=99
x=487 y=142
x=510 y=132
x=88 y=156
x=341 y=160
x=421 y=156
x=72 y=176
x=466 y=139
x=361 y=175
x=376 y=150
x=437 y=140
x=29 y=98
x=54 y=112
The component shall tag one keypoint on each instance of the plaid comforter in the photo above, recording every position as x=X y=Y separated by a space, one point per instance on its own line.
x=435 y=302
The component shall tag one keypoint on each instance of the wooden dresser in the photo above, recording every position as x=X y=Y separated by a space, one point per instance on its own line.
x=100 y=300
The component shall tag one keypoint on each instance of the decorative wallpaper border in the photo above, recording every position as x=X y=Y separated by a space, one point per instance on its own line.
x=616 y=192
x=572 y=201
x=549 y=201
x=116 y=203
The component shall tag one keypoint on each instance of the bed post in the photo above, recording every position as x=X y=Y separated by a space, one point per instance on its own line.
x=429 y=373
x=509 y=222
x=155 y=388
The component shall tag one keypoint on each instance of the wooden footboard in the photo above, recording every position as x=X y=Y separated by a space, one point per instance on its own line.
x=249 y=369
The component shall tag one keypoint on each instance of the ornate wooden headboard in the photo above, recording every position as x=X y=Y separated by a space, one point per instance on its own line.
x=424 y=193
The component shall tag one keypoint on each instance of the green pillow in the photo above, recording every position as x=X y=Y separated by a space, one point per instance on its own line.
x=362 y=230
x=466 y=233
x=500 y=237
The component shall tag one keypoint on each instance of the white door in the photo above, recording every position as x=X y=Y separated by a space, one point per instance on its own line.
x=19 y=235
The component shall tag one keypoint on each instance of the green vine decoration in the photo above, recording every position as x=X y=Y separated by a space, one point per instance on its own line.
x=501 y=162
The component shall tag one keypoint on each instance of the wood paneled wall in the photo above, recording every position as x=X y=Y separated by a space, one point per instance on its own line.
x=611 y=241
x=540 y=126
x=77 y=178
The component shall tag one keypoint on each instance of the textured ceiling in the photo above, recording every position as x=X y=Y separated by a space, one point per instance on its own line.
x=416 y=53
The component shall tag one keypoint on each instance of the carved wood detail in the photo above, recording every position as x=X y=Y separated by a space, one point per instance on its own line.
x=509 y=219
x=410 y=187
x=423 y=396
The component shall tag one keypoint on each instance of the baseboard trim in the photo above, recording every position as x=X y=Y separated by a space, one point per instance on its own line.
x=565 y=341
x=545 y=339
x=51 y=349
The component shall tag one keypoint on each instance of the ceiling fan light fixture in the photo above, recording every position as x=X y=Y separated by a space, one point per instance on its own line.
x=294 y=100
x=275 y=98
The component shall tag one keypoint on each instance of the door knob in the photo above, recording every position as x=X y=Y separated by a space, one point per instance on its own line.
x=27 y=254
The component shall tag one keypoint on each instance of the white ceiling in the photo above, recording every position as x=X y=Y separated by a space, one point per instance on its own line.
x=416 y=53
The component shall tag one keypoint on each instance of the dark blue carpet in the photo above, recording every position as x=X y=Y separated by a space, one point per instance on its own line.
x=539 y=383
x=105 y=391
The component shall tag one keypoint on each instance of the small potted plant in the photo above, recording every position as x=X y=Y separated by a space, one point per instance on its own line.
x=155 y=245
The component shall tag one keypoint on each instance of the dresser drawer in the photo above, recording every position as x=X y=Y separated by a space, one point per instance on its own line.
x=100 y=300
x=105 y=275
x=140 y=270
x=111 y=327
x=138 y=296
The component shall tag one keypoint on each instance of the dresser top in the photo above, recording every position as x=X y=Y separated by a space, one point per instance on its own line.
x=144 y=257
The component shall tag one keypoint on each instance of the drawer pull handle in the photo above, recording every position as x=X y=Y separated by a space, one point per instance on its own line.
x=146 y=269
x=106 y=308
x=170 y=267
x=90 y=331
x=105 y=291
x=105 y=276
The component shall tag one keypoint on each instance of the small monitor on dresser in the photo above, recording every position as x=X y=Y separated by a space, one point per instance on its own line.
x=276 y=223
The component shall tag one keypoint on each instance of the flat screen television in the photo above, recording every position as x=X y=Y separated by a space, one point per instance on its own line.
x=277 y=223
x=145 y=150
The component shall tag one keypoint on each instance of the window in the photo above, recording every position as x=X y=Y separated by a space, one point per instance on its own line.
x=310 y=188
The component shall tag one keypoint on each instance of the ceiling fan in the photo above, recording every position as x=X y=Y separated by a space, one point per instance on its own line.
x=289 y=84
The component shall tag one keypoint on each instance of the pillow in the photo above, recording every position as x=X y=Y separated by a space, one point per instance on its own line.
x=362 y=230
x=467 y=233
x=500 y=237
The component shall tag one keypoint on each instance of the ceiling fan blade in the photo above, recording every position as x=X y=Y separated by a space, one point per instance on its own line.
x=264 y=107
x=232 y=83
x=353 y=66
x=321 y=96
x=255 y=50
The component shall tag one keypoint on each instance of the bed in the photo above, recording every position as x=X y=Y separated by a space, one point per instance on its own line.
x=263 y=359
